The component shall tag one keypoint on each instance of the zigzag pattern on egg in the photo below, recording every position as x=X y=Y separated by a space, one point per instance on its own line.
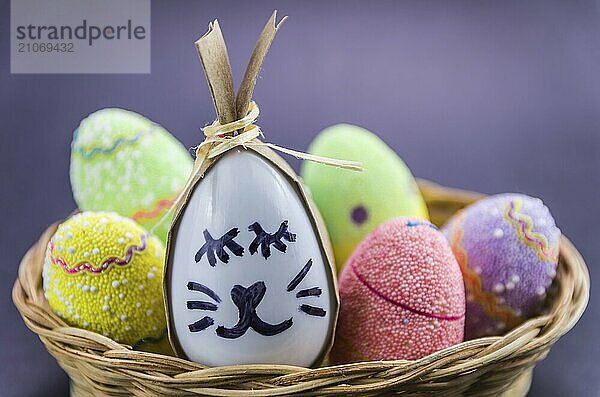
x=103 y=272
x=88 y=154
x=156 y=210
x=487 y=300
x=126 y=163
x=507 y=261
x=86 y=266
x=524 y=226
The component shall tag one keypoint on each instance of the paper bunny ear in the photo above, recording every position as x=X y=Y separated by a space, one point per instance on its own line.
x=263 y=44
x=258 y=182
x=217 y=69
x=214 y=58
x=212 y=52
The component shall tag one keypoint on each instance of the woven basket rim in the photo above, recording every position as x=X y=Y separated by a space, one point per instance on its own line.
x=485 y=366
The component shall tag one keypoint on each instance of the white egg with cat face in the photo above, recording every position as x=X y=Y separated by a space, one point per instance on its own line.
x=248 y=280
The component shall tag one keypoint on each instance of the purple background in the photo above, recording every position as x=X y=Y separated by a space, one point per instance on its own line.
x=488 y=96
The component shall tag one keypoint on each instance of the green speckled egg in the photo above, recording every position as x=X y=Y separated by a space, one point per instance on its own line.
x=353 y=204
x=123 y=162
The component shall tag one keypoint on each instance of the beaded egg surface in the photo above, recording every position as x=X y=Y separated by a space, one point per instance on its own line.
x=353 y=204
x=103 y=272
x=401 y=295
x=123 y=162
x=507 y=247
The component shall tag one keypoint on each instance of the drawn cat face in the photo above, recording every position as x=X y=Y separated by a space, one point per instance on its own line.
x=248 y=299
x=248 y=282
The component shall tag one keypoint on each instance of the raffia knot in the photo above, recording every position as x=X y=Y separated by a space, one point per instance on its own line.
x=219 y=139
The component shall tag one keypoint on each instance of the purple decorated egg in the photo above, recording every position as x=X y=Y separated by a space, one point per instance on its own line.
x=507 y=249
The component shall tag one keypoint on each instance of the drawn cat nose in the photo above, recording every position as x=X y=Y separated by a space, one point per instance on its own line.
x=256 y=292
x=253 y=294
x=258 y=287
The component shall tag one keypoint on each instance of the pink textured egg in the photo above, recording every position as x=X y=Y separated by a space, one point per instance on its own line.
x=401 y=295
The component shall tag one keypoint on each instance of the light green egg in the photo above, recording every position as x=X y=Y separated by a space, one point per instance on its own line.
x=354 y=203
x=123 y=162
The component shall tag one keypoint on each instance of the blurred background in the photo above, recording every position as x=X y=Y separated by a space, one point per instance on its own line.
x=487 y=96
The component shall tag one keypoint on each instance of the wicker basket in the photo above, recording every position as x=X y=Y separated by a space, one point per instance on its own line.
x=489 y=366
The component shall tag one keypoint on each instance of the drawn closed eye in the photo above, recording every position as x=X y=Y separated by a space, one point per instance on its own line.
x=308 y=292
x=205 y=321
x=264 y=240
x=214 y=246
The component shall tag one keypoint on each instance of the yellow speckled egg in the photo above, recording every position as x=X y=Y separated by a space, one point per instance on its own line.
x=103 y=272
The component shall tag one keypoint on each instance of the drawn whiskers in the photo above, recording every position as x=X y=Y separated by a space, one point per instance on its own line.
x=314 y=291
x=308 y=292
x=205 y=321
x=247 y=300
x=313 y=310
